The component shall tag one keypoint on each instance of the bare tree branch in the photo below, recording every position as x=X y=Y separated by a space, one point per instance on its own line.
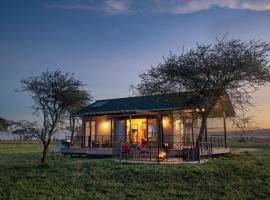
x=210 y=71
x=51 y=92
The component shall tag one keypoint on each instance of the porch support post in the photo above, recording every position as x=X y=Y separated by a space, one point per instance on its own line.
x=83 y=133
x=130 y=130
x=192 y=130
x=172 y=139
x=161 y=131
x=90 y=135
x=147 y=130
x=225 y=129
x=205 y=127
x=159 y=135
x=126 y=133
x=111 y=131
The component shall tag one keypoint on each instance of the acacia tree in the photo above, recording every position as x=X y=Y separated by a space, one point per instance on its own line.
x=76 y=100
x=230 y=67
x=50 y=92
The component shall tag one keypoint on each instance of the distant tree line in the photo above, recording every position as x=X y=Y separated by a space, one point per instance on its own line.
x=3 y=124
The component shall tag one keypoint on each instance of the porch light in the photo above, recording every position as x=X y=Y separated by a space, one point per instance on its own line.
x=166 y=144
x=105 y=124
x=165 y=122
x=202 y=110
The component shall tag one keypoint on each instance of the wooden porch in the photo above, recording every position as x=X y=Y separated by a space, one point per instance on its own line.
x=95 y=152
x=167 y=151
x=108 y=152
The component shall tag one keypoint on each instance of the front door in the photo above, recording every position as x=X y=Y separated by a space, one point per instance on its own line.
x=136 y=131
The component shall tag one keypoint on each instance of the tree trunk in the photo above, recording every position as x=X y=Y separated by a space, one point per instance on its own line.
x=44 y=154
x=72 y=127
x=202 y=128
x=200 y=137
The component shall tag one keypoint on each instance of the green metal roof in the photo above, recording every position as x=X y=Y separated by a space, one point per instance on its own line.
x=142 y=103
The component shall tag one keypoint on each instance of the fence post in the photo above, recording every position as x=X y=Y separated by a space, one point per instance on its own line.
x=159 y=134
x=82 y=141
x=199 y=152
x=211 y=149
x=120 y=150
x=89 y=141
x=208 y=149
x=150 y=151
x=225 y=131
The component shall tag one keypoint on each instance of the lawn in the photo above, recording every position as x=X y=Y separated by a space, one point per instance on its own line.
x=243 y=176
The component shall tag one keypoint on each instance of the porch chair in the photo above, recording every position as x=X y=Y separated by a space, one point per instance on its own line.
x=95 y=144
x=106 y=144
x=142 y=151
x=125 y=150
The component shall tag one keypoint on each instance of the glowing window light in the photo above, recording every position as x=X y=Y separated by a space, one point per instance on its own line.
x=165 y=122
x=105 y=124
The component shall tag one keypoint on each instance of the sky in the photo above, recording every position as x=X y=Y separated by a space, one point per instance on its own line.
x=107 y=43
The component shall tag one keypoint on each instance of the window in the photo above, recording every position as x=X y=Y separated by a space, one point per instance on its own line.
x=86 y=133
x=138 y=130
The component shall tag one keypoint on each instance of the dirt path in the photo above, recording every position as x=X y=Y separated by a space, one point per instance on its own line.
x=241 y=150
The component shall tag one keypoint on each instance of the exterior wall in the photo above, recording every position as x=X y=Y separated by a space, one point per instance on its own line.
x=167 y=124
x=173 y=130
x=196 y=128
x=119 y=130
x=178 y=131
x=100 y=128
x=175 y=134
x=103 y=125
x=153 y=130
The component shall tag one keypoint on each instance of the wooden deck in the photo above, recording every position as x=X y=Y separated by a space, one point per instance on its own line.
x=108 y=151
x=101 y=152
x=220 y=150
x=216 y=151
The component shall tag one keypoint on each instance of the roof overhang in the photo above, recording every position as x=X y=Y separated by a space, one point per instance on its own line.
x=222 y=108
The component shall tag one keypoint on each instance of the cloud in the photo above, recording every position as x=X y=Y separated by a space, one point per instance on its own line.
x=256 y=6
x=127 y=7
x=108 y=7
x=71 y=5
x=191 y=6
x=116 y=7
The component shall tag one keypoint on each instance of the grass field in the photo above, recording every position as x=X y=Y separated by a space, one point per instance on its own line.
x=263 y=143
x=243 y=176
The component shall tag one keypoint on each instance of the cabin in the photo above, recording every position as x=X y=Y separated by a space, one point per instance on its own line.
x=154 y=128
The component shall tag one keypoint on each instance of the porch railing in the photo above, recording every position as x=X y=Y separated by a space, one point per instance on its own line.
x=216 y=140
x=151 y=152
x=99 y=141
x=171 y=148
